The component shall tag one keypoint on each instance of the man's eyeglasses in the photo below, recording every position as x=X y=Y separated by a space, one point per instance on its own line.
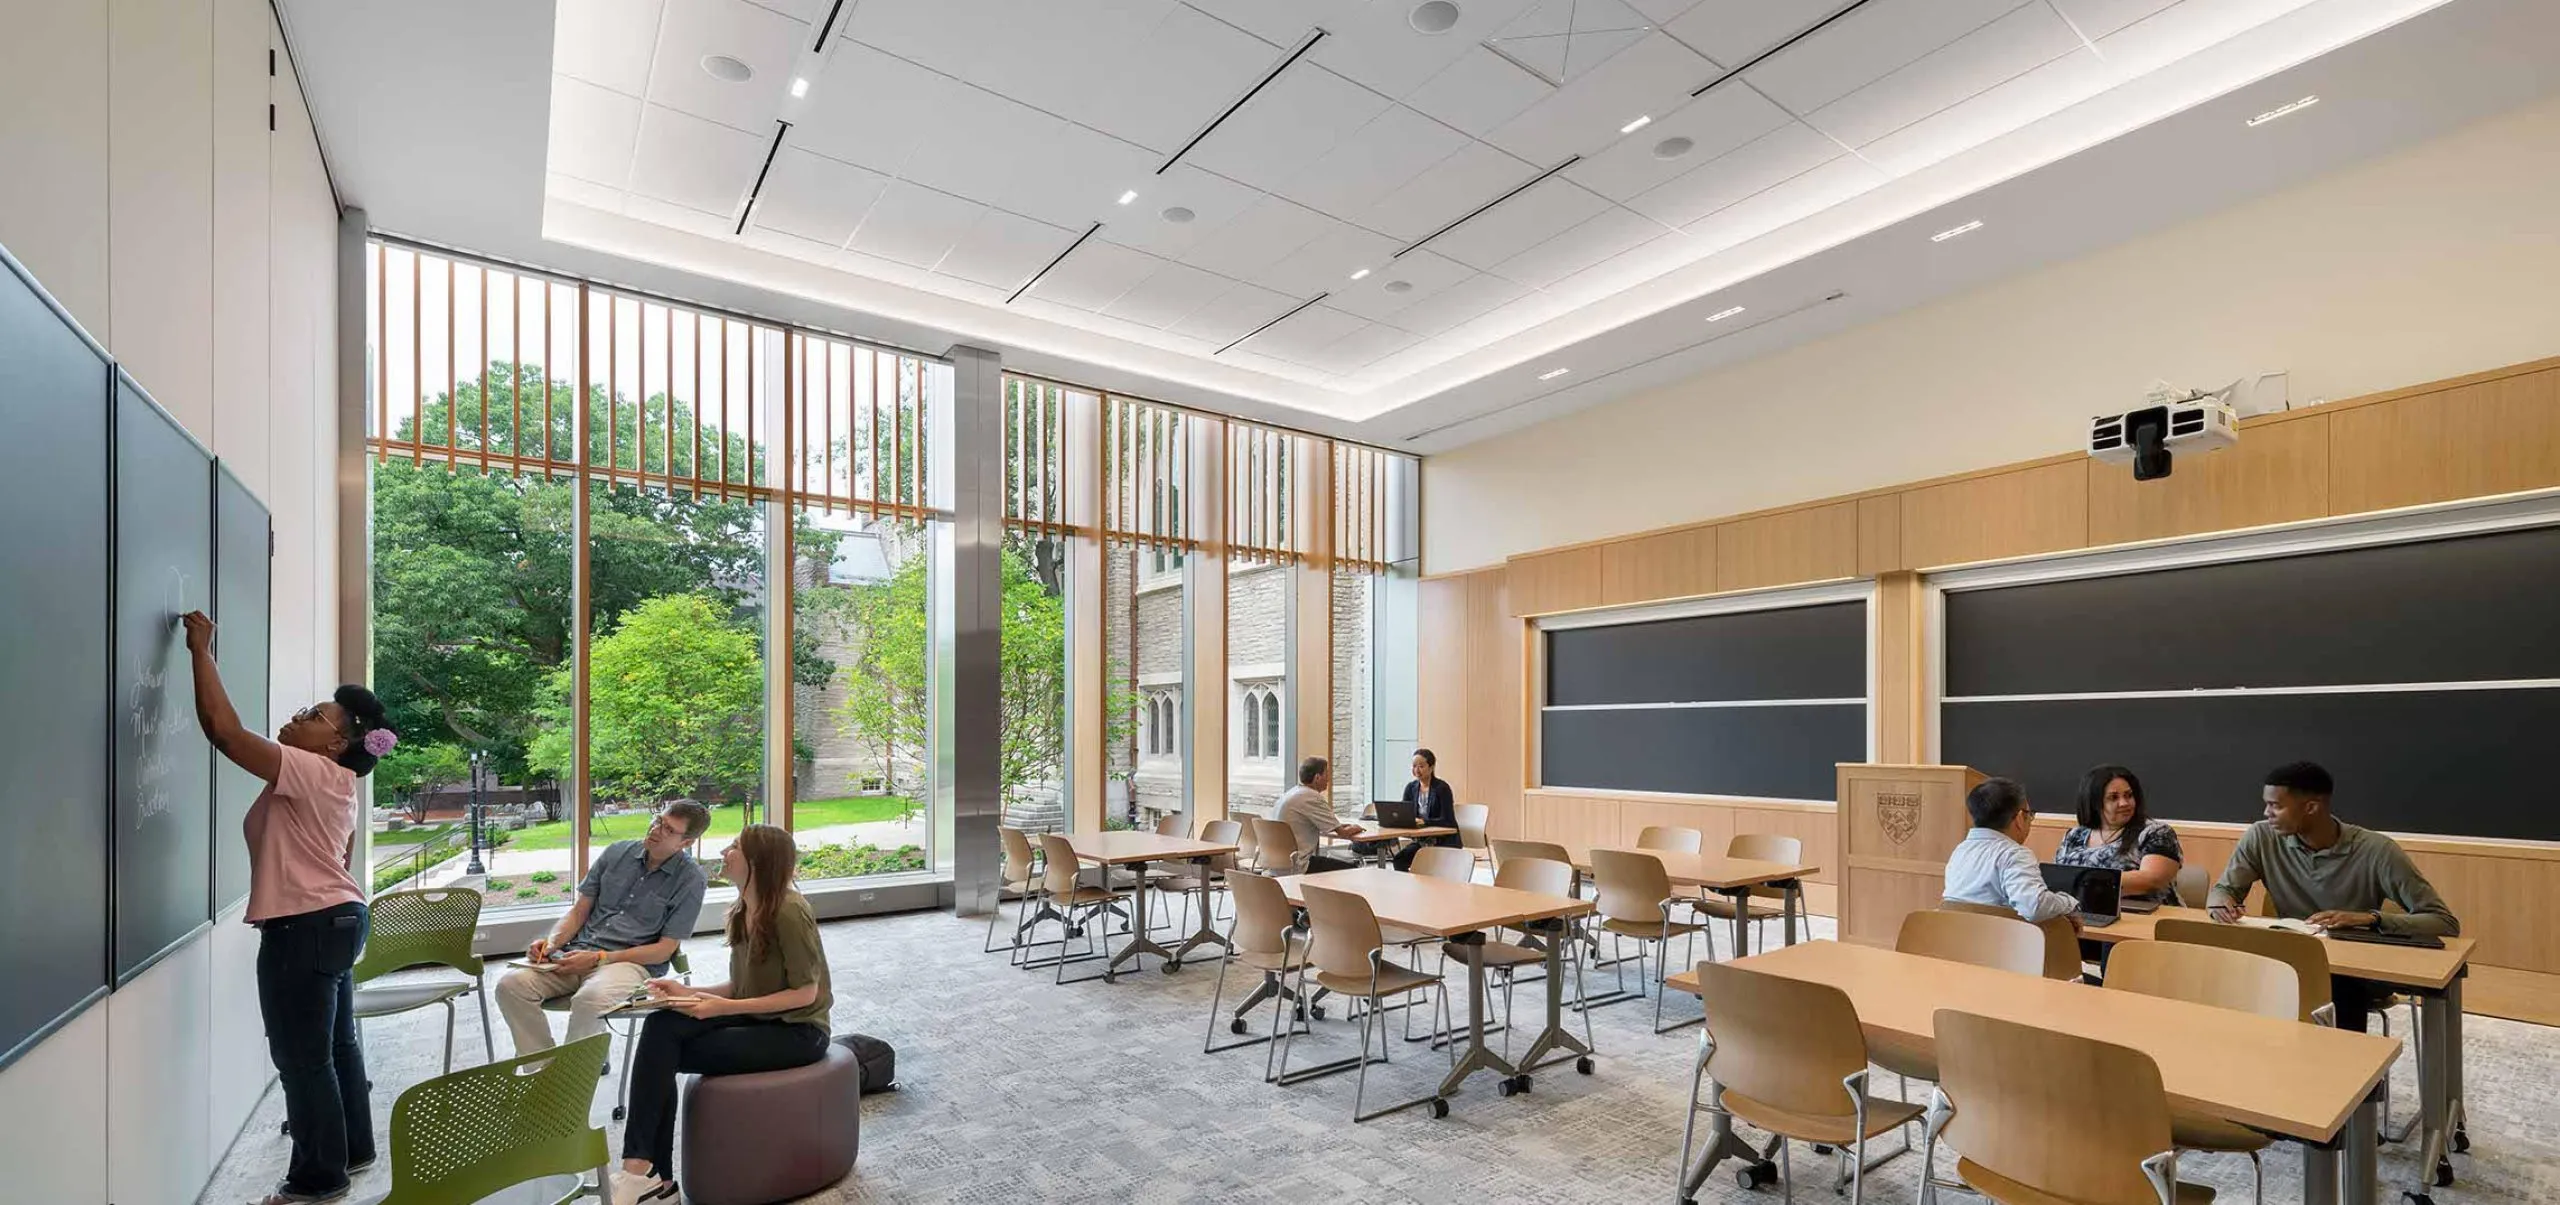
x=661 y=826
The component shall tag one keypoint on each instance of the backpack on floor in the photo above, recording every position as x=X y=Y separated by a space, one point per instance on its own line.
x=879 y=1062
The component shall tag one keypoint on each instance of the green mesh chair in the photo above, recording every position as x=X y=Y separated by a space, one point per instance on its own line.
x=419 y=929
x=466 y=1135
x=627 y=1027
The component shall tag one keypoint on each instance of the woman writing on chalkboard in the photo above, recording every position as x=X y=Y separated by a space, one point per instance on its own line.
x=308 y=909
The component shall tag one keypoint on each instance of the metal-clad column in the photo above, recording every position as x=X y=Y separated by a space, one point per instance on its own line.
x=976 y=577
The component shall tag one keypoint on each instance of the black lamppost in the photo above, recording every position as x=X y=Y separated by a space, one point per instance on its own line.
x=474 y=811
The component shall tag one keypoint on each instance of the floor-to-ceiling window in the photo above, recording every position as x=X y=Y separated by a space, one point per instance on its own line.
x=1146 y=465
x=1033 y=729
x=1262 y=567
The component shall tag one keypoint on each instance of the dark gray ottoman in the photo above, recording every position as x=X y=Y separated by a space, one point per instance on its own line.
x=771 y=1136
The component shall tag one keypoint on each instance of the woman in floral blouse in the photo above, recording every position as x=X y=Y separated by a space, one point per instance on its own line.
x=2117 y=831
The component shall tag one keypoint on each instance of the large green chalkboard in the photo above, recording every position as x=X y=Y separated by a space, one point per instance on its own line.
x=243 y=554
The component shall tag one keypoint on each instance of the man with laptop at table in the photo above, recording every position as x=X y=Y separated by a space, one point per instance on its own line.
x=1993 y=864
x=2320 y=869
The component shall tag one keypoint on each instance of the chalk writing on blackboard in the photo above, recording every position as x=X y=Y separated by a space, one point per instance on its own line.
x=147 y=709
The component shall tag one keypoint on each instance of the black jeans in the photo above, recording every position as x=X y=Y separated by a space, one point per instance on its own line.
x=2355 y=999
x=1318 y=864
x=307 y=998
x=671 y=1042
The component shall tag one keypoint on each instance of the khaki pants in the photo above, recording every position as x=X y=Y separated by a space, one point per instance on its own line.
x=521 y=993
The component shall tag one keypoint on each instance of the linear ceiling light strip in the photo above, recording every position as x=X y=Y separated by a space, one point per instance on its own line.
x=828 y=26
x=1469 y=215
x=780 y=128
x=1304 y=45
x=1293 y=312
x=1046 y=268
x=1765 y=55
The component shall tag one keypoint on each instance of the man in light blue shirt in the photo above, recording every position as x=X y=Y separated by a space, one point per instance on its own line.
x=1993 y=865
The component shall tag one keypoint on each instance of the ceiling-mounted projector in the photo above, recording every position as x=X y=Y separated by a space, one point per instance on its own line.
x=2149 y=437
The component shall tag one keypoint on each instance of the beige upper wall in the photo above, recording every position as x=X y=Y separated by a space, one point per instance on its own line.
x=2426 y=264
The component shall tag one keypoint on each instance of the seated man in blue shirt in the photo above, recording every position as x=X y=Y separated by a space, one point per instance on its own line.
x=637 y=903
x=1993 y=865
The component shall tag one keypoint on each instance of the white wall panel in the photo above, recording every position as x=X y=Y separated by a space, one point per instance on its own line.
x=237 y=1038
x=241 y=40
x=53 y=126
x=160 y=1079
x=160 y=200
x=53 y=1115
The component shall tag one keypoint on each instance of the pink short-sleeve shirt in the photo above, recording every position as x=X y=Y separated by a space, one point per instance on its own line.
x=298 y=831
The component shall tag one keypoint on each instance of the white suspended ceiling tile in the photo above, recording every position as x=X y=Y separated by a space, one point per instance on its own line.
x=1866 y=45
x=814 y=197
x=1286 y=127
x=943 y=35
x=582 y=192
x=1212 y=199
x=1788 y=201
x=1043 y=53
x=1373 y=161
x=607 y=43
x=1458 y=304
x=1299 y=336
x=1625 y=270
x=1230 y=314
x=807 y=12
x=1074 y=176
x=1186 y=73
x=1375 y=296
x=680 y=217
x=1479 y=92
x=1969 y=123
x=914 y=225
x=1712 y=125
x=1169 y=295
x=698 y=164
x=1652 y=77
x=764 y=40
x=1267 y=232
x=593 y=132
x=1001 y=250
x=1606 y=234
x=1661 y=12
x=862 y=107
x=1327 y=261
x=1734 y=32
x=2025 y=39
x=976 y=143
x=2098 y=18
x=1549 y=208
x=1364 y=346
x=1094 y=275
x=792 y=246
x=1278 y=22
x=2182 y=29
x=1788 y=151
x=1447 y=190
x=1376 y=45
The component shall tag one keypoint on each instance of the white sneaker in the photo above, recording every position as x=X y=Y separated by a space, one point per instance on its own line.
x=632 y=1188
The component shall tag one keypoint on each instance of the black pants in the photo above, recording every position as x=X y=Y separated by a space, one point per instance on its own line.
x=672 y=1043
x=1318 y=864
x=2356 y=1000
x=1405 y=856
x=307 y=998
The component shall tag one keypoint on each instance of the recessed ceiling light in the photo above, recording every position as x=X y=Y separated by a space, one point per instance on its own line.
x=1176 y=214
x=722 y=67
x=1437 y=16
x=2281 y=110
x=1638 y=124
x=1553 y=373
x=1953 y=231
x=1361 y=274
x=1673 y=148
x=1399 y=286
x=1129 y=196
x=799 y=86
x=1726 y=312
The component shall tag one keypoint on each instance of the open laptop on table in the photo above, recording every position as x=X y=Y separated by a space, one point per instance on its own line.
x=1396 y=813
x=2098 y=889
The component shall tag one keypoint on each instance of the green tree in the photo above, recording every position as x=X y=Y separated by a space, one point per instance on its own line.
x=675 y=706
x=414 y=771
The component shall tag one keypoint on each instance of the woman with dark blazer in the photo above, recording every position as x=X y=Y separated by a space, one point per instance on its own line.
x=1438 y=802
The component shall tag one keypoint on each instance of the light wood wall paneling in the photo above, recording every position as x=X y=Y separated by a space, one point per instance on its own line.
x=2513 y=994
x=1900 y=659
x=1879 y=534
x=1447 y=676
x=160 y=200
x=53 y=120
x=2277 y=474
x=1496 y=737
x=1671 y=564
x=1814 y=543
x=2490 y=436
x=2044 y=508
x=1567 y=579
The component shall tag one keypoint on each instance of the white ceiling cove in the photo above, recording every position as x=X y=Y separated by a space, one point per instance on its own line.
x=1335 y=211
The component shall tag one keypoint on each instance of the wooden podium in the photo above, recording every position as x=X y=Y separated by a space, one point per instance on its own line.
x=1897 y=825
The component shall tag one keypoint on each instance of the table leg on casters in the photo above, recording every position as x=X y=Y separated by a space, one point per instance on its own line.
x=1794 y=904
x=1205 y=935
x=2320 y=1173
x=1555 y=1037
x=1478 y=1056
x=2360 y=1178
x=1140 y=942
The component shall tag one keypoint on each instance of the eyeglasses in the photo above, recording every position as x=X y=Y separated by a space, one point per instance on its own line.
x=313 y=712
x=658 y=826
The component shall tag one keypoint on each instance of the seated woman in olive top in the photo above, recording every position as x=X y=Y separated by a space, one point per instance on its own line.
x=770 y=1015
x=2117 y=831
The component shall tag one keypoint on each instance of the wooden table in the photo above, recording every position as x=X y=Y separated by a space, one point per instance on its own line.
x=1732 y=878
x=2316 y=1085
x=2434 y=976
x=1462 y=912
x=1135 y=850
x=1371 y=834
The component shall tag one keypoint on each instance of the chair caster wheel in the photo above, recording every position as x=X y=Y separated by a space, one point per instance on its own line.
x=618 y=1111
x=1582 y=1066
x=1440 y=1108
x=1075 y=930
x=1822 y=1148
x=2461 y=1143
x=2444 y=1172
x=285 y=1128
x=1170 y=965
x=1759 y=1175
x=1317 y=1012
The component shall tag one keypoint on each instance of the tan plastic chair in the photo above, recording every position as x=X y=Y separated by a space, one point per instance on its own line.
x=1246 y=843
x=1265 y=938
x=2193 y=885
x=1063 y=892
x=2300 y=951
x=1169 y=824
x=1275 y=847
x=1997 y=940
x=1445 y=862
x=1472 y=818
x=2223 y=978
x=1196 y=887
x=1788 y=1057
x=2061 y=941
x=1759 y=847
x=2007 y=1091
x=1670 y=840
x=1346 y=953
x=1020 y=875
x=1635 y=903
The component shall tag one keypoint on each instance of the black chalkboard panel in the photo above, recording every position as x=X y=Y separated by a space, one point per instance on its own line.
x=2462 y=762
x=2476 y=608
x=244 y=548
x=54 y=713
x=163 y=767
x=1817 y=652
x=1779 y=752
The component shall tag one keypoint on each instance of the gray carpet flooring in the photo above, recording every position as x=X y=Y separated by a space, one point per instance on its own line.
x=1015 y=1089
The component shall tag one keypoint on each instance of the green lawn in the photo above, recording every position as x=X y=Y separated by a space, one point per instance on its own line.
x=725 y=821
x=413 y=835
